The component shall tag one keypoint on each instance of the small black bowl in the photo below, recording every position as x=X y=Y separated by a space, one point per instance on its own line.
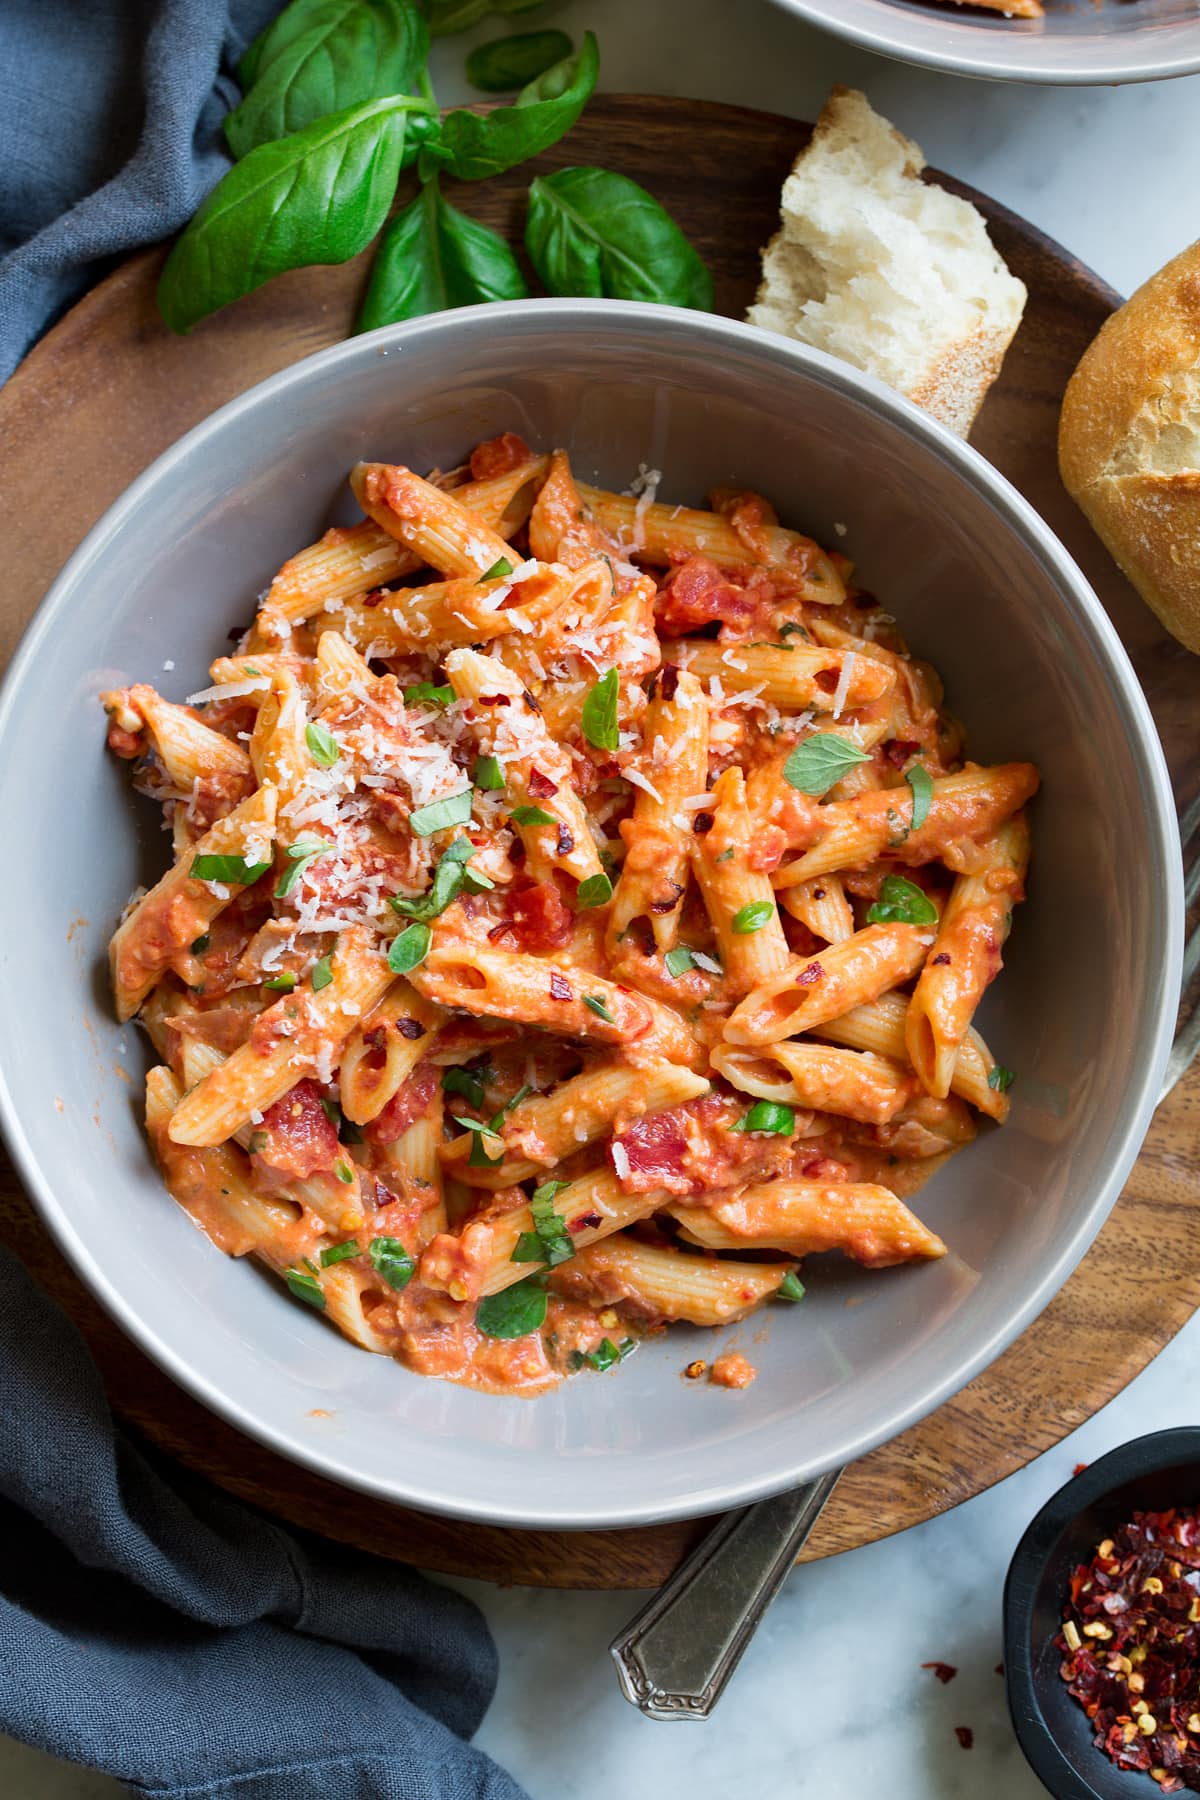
x=1148 y=1475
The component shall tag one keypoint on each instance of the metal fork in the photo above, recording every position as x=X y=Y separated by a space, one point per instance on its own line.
x=675 y=1658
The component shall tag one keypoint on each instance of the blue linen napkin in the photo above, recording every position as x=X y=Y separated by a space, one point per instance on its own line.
x=110 y=122
x=154 y=1628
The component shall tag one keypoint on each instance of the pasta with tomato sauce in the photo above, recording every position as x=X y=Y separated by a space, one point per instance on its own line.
x=578 y=911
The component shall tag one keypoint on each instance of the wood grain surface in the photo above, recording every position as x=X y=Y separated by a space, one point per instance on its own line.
x=110 y=388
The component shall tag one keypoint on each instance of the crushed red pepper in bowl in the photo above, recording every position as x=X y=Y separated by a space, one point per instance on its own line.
x=1131 y=1644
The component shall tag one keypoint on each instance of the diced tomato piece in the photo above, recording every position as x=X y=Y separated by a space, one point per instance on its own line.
x=498 y=455
x=655 y=1147
x=300 y=1137
x=541 y=918
x=697 y=593
x=766 y=848
x=409 y=1102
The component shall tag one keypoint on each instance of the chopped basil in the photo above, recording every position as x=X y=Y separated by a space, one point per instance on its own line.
x=347 y=1131
x=440 y=815
x=390 y=1259
x=599 y=718
x=470 y=1083
x=258 y=1142
x=902 y=902
x=821 y=760
x=227 y=868
x=299 y=856
x=200 y=944
x=768 y=1116
x=725 y=854
x=1001 y=1079
x=332 y=1110
x=549 y=1241
x=409 y=948
x=449 y=878
x=800 y=631
x=423 y=693
x=514 y=1312
x=322 y=973
x=790 y=1288
x=679 y=961
x=488 y=774
x=596 y=1005
x=337 y=1253
x=597 y=890
x=604 y=1355
x=921 y=782
x=531 y=815
x=344 y=1172
x=322 y=745
x=305 y=1287
x=479 y=1158
x=752 y=917
x=284 y=982
x=499 y=569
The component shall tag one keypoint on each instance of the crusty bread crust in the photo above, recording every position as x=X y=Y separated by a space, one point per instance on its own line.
x=1129 y=442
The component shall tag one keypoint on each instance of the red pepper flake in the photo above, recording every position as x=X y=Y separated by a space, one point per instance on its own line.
x=941 y=957
x=585 y=1222
x=376 y=597
x=666 y=681
x=493 y=700
x=566 y=843
x=702 y=822
x=540 y=786
x=898 y=750
x=410 y=1028
x=1131 y=1646
x=376 y=1039
x=560 y=988
x=529 y=700
x=944 y=1671
x=1079 y=1468
x=807 y=977
x=965 y=1736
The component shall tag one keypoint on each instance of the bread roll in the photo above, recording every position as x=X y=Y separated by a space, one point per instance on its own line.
x=886 y=271
x=1129 y=442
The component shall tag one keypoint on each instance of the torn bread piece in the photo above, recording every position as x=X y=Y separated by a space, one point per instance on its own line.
x=886 y=271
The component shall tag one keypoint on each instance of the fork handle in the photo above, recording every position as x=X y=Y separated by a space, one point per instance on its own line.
x=675 y=1658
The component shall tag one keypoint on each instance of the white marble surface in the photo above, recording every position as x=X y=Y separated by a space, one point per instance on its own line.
x=1112 y=173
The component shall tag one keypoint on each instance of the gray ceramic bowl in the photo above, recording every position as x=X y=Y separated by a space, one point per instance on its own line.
x=1084 y=1009
x=1082 y=43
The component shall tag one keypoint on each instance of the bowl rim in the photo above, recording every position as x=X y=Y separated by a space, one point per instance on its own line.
x=1165 y=926
x=1144 y=1455
x=926 y=46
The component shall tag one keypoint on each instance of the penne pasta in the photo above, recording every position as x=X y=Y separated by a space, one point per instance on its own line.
x=802 y=1217
x=812 y=989
x=796 y=676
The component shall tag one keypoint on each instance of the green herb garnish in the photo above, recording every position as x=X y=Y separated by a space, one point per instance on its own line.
x=549 y=1241
x=449 y=878
x=509 y=62
x=305 y=1287
x=592 y=232
x=299 y=856
x=440 y=815
x=390 y=1259
x=531 y=815
x=488 y=774
x=820 y=761
x=344 y=1172
x=424 y=693
x=679 y=961
x=227 y=868
x=515 y=1311
x=767 y=1116
x=470 y=1083
x=322 y=745
x=599 y=717
x=499 y=569
x=921 y=782
x=282 y=983
x=1001 y=1079
x=596 y=890
x=790 y=1288
x=409 y=948
x=901 y=902
x=201 y=944
x=337 y=1253
x=752 y=917
x=596 y=1005
x=322 y=973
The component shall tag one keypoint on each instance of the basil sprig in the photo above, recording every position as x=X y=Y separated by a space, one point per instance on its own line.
x=473 y=146
x=515 y=1311
x=509 y=62
x=233 y=869
x=921 y=782
x=390 y=1259
x=449 y=878
x=425 y=693
x=592 y=232
x=768 y=1116
x=440 y=815
x=409 y=948
x=599 y=716
x=298 y=856
x=432 y=257
x=901 y=902
x=471 y=1083
x=820 y=761
x=449 y=16
x=345 y=52
x=550 y=1241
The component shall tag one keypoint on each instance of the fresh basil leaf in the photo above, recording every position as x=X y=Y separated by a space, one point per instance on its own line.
x=476 y=145
x=547 y=1191
x=509 y=62
x=316 y=197
x=424 y=693
x=390 y=1259
x=532 y=815
x=790 y=1288
x=409 y=948
x=488 y=774
x=233 y=869
x=786 y=631
x=337 y=1253
x=596 y=1005
x=499 y=569
x=305 y=1287
x=447 y=17
x=902 y=902
x=752 y=917
x=449 y=878
x=819 y=761
x=283 y=31
x=549 y=1241
x=921 y=782
x=679 y=961
x=1001 y=1079
x=595 y=233
x=201 y=944
x=514 y=1312
x=344 y=1172
x=332 y=1110
x=596 y=890
x=440 y=815
x=599 y=717
x=322 y=745
x=433 y=257
x=322 y=973
x=604 y=1355
x=283 y=983
x=356 y=51
x=767 y=1115
x=298 y=858
x=470 y=1083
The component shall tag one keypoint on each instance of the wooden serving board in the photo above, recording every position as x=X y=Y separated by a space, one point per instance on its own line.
x=110 y=388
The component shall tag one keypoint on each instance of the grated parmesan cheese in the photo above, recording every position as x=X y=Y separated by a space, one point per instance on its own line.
x=647 y=787
x=228 y=690
x=843 y=686
x=620 y=1160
